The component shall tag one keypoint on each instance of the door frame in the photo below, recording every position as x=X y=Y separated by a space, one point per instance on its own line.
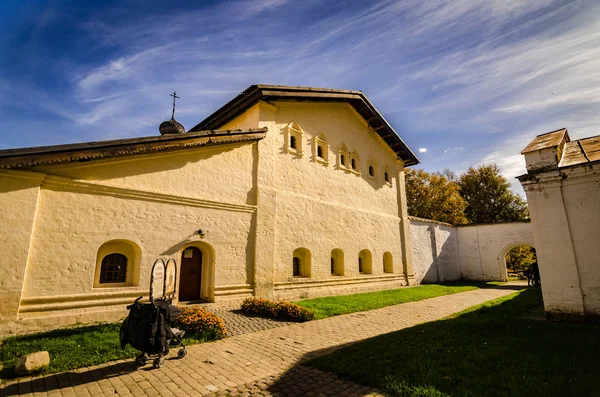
x=207 y=278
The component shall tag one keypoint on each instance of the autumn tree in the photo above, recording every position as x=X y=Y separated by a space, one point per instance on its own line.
x=489 y=196
x=520 y=258
x=434 y=196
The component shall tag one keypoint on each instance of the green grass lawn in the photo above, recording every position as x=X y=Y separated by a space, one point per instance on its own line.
x=70 y=348
x=336 y=305
x=500 y=348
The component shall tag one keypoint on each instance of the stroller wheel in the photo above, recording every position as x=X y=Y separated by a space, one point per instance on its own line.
x=159 y=362
x=140 y=361
x=181 y=353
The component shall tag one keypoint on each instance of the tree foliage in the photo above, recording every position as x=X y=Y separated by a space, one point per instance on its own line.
x=434 y=196
x=489 y=196
x=480 y=195
x=520 y=258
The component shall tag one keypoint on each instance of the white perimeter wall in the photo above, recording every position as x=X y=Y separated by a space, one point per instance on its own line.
x=442 y=252
x=435 y=256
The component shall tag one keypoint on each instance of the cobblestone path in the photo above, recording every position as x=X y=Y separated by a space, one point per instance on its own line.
x=237 y=323
x=267 y=362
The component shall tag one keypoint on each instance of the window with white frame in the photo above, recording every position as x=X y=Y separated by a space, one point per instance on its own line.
x=372 y=167
x=321 y=149
x=386 y=175
x=355 y=162
x=293 y=138
x=343 y=157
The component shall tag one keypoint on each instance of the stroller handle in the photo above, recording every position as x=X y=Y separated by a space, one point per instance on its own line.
x=134 y=303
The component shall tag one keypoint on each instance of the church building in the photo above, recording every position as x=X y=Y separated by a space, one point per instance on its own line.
x=284 y=192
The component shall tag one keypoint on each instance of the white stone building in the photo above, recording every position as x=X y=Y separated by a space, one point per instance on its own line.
x=284 y=192
x=563 y=192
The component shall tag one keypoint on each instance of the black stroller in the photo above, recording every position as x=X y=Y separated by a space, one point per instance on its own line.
x=146 y=328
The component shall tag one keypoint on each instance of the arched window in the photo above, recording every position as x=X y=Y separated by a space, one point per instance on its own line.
x=354 y=158
x=372 y=166
x=296 y=263
x=301 y=262
x=114 y=269
x=365 y=262
x=386 y=175
x=293 y=138
x=388 y=266
x=337 y=262
x=321 y=149
x=117 y=264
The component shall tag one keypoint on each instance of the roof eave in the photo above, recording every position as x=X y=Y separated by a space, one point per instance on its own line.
x=83 y=152
x=254 y=93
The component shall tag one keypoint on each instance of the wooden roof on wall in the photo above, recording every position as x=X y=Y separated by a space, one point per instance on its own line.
x=356 y=99
x=80 y=152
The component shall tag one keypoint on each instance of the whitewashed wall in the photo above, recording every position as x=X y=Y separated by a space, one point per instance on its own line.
x=482 y=248
x=435 y=256
x=442 y=252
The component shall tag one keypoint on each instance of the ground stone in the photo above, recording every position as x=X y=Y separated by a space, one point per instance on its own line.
x=32 y=362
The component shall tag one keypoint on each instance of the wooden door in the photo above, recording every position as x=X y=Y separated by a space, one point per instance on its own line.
x=191 y=274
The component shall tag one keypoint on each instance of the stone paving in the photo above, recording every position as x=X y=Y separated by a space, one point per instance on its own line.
x=237 y=323
x=267 y=362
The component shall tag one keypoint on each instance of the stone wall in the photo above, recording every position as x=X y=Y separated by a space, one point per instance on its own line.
x=442 y=252
x=482 y=248
x=434 y=251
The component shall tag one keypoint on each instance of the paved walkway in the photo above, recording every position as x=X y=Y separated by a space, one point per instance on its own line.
x=261 y=363
x=237 y=323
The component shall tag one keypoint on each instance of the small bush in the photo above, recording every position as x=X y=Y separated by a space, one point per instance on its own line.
x=283 y=310
x=201 y=324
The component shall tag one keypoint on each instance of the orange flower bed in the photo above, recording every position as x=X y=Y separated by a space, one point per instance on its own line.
x=201 y=324
x=277 y=309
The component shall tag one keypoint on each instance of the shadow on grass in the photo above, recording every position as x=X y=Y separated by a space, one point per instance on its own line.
x=490 y=350
x=73 y=347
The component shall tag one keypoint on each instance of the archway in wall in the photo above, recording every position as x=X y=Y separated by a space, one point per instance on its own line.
x=337 y=262
x=301 y=262
x=196 y=273
x=365 y=262
x=516 y=259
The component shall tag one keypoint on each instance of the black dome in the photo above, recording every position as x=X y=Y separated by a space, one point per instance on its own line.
x=171 y=127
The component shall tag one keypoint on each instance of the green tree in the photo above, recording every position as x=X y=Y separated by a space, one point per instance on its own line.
x=520 y=258
x=434 y=196
x=489 y=196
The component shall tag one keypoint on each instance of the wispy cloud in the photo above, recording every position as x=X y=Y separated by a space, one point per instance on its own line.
x=474 y=80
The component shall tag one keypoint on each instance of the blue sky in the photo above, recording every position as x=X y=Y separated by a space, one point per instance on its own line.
x=464 y=82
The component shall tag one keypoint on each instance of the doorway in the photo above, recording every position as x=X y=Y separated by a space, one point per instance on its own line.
x=190 y=279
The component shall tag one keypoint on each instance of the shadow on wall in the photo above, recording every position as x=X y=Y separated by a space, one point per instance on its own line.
x=435 y=257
